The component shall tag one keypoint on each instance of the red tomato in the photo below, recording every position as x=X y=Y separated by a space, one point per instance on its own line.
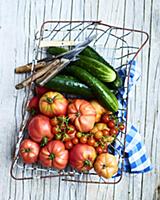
x=68 y=145
x=105 y=132
x=82 y=157
x=91 y=141
x=75 y=140
x=55 y=129
x=29 y=151
x=39 y=129
x=111 y=124
x=105 y=118
x=99 y=150
x=121 y=127
x=82 y=114
x=66 y=137
x=33 y=106
x=53 y=104
x=112 y=131
x=40 y=90
x=54 y=155
x=71 y=131
x=98 y=135
x=54 y=121
x=83 y=139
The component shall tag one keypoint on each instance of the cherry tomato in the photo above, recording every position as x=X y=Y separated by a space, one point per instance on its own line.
x=98 y=135
x=55 y=129
x=54 y=121
x=105 y=132
x=99 y=150
x=71 y=131
x=121 y=127
x=111 y=124
x=58 y=136
x=68 y=145
x=75 y=140
x=83 y=139
x=78 y=134
x=112 y=131
x=91 y=141
x=105 y=118
x=66 y=138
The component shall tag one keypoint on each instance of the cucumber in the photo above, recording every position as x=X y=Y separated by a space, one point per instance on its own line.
x=96 y=68
x=56 y=50
x=69 y=85
x=90 y=52
x=101 y=92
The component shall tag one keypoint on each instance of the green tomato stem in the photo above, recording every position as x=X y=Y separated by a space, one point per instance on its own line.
x=49 y=100
x=87 y=163
x=44 y=141
x=51 y=156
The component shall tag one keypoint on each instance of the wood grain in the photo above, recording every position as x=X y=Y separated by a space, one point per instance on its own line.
x=19 y=20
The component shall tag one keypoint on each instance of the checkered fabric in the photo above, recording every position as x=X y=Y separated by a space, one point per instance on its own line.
x=136 y=159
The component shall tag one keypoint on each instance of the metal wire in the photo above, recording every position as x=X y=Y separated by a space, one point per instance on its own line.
x=115 y=45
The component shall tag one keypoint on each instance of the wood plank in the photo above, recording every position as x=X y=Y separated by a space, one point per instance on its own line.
x=27 y=16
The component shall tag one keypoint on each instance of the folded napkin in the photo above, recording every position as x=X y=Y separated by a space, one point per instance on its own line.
x=136 y=159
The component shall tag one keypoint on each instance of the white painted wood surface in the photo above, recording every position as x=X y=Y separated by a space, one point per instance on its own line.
x=19 y=20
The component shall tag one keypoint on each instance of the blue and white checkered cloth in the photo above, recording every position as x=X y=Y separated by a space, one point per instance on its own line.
x=136 y=159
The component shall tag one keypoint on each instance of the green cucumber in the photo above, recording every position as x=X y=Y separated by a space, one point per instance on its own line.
x=90 y=52
x=70 y=85
x=96 y=68
x=101 y=92
x=56 y=50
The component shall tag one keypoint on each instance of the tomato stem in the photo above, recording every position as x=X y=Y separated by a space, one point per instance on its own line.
x=33 y=111
x=27 y=150
x=44 y=141
x=51 y=156
x=103 y=166
x=87 y=163
x=49 y=100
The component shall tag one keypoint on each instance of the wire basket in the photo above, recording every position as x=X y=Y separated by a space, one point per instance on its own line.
x=119 y=46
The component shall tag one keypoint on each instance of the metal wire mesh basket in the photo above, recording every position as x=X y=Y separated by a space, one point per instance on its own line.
x=118 y=46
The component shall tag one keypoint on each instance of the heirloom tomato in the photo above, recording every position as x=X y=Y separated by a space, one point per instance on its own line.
x=29 y=151
x=99 y=109
x=54 y=155
x=99 y=127
x=106 y=165
x=82 y=157
x=39 y=129
x=53 y=104
x=82 y=114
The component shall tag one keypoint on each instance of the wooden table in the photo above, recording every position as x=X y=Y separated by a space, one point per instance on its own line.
x=19 y=20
